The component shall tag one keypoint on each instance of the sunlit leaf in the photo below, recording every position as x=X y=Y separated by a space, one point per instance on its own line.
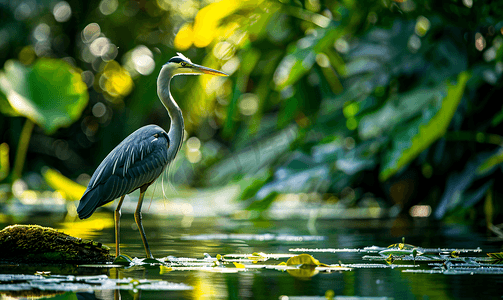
x=51 y=93
x=164 y=270
x=419 y=135
x=496 y=257
x=490 y=163
x=87 y=228
x=305 y=260
x=183 y=39
x=4 y=161
x=300 y=61
x=56 y=180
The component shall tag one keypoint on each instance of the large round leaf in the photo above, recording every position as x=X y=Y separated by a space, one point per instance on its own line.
x=51 y=93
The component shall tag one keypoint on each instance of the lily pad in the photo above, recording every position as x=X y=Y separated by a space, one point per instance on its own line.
x=50 y=93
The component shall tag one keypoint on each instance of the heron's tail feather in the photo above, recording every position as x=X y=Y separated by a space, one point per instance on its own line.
x=88 y=203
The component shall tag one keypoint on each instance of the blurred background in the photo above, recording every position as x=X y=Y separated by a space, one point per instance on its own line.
x=350 y=109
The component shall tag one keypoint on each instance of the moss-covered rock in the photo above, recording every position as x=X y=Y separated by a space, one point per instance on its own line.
x=37 y=244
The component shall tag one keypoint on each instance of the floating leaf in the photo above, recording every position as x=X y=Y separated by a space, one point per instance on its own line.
x=496 y=258
x=304 y=260
x=164 y=269
x=396 y=252
x=402 y=245
x=239 y=265
x=51 y=93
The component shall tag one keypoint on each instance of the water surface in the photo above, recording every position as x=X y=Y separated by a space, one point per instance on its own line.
x=193 y=237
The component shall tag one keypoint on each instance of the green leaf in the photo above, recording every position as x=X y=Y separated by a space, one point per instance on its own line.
x=298 y=62
x=419 y=135
x=396 y=112
x=490 y=163
x=51 y=93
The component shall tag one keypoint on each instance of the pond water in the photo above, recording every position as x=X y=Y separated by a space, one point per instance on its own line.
x=193 y=237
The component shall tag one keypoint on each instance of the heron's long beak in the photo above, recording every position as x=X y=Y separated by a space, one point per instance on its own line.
x=206 y=70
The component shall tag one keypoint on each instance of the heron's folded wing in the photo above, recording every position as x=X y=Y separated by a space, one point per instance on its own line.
x=129 y=166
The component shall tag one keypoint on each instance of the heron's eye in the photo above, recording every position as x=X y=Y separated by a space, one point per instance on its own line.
x=156 y=135
x=183 y=64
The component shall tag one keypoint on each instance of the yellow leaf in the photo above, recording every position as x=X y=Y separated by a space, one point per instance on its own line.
x=304 y=260
x=164 y=270
x=71 y=189
x=239 y=265
x=184 y=37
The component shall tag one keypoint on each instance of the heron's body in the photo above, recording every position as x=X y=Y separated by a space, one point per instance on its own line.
x=137 y=161
x=141 y=157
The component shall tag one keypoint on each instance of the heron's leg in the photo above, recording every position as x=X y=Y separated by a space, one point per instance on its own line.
x=117 y=226
x=137 y=218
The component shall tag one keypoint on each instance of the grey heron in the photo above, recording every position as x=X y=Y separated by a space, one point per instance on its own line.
x=142 y=156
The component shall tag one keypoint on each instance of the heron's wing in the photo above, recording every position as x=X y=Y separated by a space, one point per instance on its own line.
x=136 y=161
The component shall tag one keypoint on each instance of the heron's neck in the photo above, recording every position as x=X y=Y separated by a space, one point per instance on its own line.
x=176 y=129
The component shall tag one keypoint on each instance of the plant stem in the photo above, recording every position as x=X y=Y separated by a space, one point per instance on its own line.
x=22 y=148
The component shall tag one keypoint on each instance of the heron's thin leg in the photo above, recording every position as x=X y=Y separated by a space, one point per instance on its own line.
x=117 y=226
x=137 y=218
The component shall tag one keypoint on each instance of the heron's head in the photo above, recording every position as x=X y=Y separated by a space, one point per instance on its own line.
x=181 y=65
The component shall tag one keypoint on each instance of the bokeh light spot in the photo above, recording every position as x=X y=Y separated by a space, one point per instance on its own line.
x=99 y=110
x=414 y=43
x=115 y=81
x=322 y=60
x=248 y=104
x=193 y=152
x=62 y=11
x=108 y=7
x=351 y=123
x=341 y=45
x=27 y=55
x=143 y=60
x=350 y=109
x=23 y=11
x=193 y=143
x=91 y=32
x=422 y=26
x=468 y=3
x=184 y=37
x=99 y=46
x=480 y=41
x=420 y=211
x=427 y=170
x=42 y=32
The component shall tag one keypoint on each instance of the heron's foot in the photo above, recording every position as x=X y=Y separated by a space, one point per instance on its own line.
x=152 y=261
x=123 y=259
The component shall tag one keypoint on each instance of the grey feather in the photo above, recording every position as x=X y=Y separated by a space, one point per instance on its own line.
x=137 y=161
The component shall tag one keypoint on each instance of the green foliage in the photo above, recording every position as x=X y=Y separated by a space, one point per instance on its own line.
x=50 y=93
x=413 y=139
x=323 y=97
